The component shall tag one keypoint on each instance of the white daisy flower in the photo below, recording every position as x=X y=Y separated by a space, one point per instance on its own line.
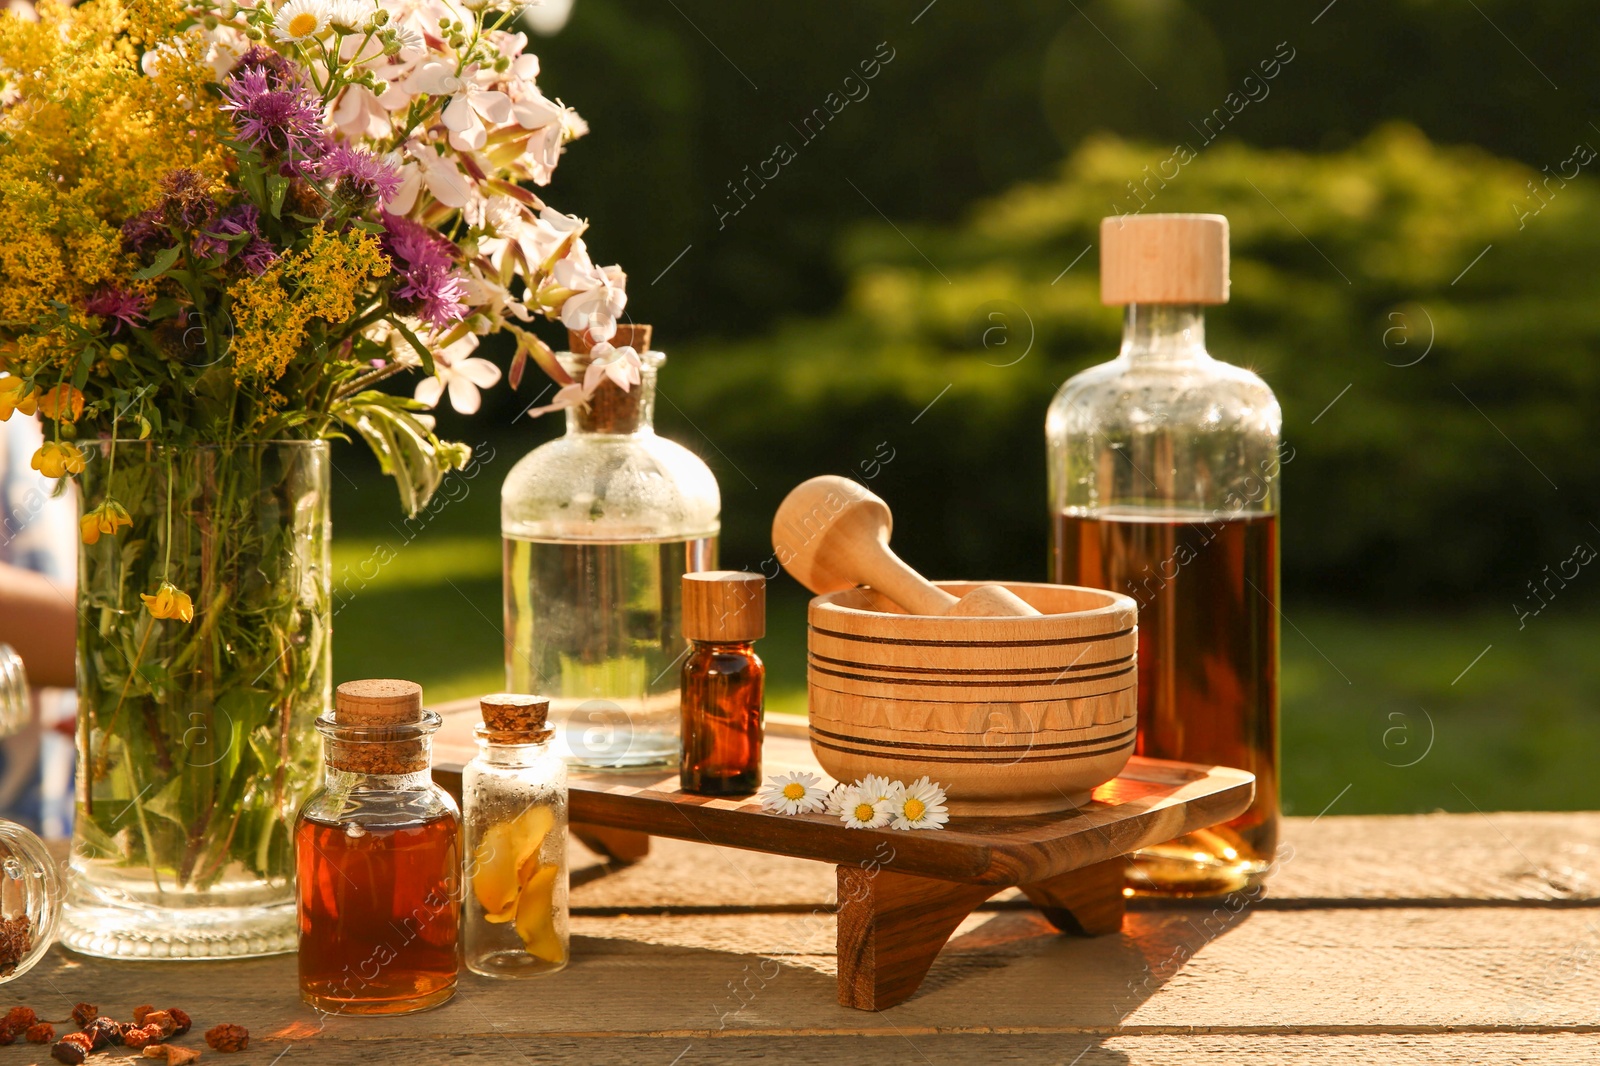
x=858 y=811
x=794 y=793
x=920 y=805
x=350 y=15
x=300 y=20
x=878 y=787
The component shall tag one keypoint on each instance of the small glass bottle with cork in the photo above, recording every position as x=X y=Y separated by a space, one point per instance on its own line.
x=724 y=613
x=514 y=792
x=1164 y=468
x=378 y=854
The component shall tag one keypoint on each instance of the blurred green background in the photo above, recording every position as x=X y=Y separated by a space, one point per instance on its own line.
x=1415 y=257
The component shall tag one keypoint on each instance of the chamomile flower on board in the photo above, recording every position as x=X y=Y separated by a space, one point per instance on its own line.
x=877 y=787
x=858 y=811
x=300 y=20
x=920 y=805
x=793 y=793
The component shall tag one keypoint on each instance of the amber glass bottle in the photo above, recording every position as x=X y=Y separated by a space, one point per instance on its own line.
x=1164 y=486
x=378 y=851
x=724 y=613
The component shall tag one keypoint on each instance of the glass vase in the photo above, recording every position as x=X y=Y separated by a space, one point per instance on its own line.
x=599 y=527
x=196 y=743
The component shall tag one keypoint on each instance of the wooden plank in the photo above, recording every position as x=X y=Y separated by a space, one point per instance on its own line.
x=1433 y=859
x=1151 y=801
x=1387 y=970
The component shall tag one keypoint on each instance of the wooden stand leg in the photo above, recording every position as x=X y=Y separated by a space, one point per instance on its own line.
x=891 y=926
x=1087 y=901
x=622 y=846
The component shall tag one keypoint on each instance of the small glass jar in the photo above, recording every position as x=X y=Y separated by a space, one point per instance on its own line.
x=724 y=613
x=378 y=852
x=30 y=883
x=515 y=795
x=598 y=526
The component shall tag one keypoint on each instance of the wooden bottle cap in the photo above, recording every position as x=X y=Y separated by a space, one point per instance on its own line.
x=635 y=335
x=515 y=718
x=378 y=701
x=1164 y=259
x=724 y=605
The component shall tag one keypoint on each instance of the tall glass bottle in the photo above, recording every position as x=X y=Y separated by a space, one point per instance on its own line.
x=599 y=527
x=1163 y=485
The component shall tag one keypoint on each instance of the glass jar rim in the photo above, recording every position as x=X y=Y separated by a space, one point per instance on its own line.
x=392 y=733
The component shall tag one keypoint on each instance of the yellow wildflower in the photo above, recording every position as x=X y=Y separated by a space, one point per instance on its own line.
x=62 y=403
x=12 y=398
x=109 y=517
x=169 y=602
x=58 y=459
x=273 y=311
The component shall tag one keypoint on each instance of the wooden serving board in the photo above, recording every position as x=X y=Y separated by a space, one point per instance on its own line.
x=902 y=894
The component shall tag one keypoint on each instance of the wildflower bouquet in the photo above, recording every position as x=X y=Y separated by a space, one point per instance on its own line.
x=221 y=226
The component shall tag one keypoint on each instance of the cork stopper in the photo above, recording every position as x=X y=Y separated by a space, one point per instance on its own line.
x=635 y=335
x=724 y=606
x=611 y=409
x=378 y=727
x=514 y=718
x=1164 y=259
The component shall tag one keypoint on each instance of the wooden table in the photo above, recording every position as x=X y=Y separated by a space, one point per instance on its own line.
x=1448 y=939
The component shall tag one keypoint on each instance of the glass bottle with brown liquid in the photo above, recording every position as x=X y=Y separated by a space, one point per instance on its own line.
x=1163 y=486
x=378 y=855
x=724 y=613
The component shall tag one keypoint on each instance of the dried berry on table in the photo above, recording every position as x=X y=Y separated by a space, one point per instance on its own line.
x=103 y=1032
x=228 y=1037
x=175 y=1055
x=8 y=1035
x=140 y=1012
x=16 y=940
x=20 y=1017
x=40 y=1033
x=180 y=1019
x=138 y=1036
x=71 y=1049
x=84 y=1013
x=163 y=1021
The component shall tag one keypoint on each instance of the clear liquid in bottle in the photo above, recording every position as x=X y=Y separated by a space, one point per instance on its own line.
x=597 y=626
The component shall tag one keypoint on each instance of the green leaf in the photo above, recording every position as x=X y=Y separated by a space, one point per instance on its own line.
x=163 y=262
x=405 y=448
x=422 y=349
x=276 y=188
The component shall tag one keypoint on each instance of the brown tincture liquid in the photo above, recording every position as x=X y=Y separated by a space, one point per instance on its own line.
x=721 y=702
x=379 y=910
x=1207 y=592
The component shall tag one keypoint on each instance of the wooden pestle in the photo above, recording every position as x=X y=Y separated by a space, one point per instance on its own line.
x=832 y=533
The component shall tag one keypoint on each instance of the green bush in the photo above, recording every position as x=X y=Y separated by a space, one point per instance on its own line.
x=1459 y=378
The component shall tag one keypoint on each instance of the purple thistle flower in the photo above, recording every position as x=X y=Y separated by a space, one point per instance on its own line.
x=242 y=220
x=282 y=119
x=123 y=308
x=429 y=286
x=186 y=201
x=360 y=175
x=143 y=231
x=277 y=68
x=257 y=256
